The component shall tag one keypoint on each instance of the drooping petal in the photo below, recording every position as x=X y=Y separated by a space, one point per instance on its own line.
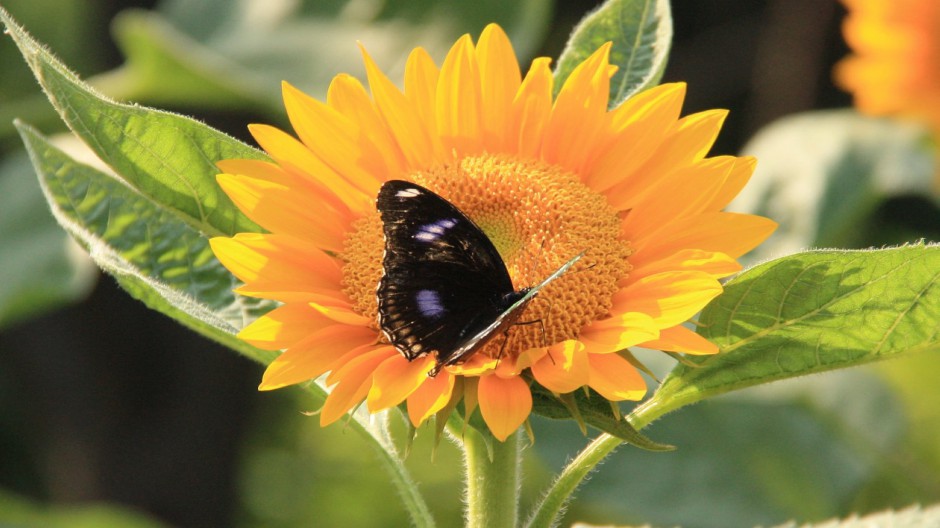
x=504 y=403
x=396 y=379
x=432 y=396
x=564 y=369
x=614 y=378
x=354 y=382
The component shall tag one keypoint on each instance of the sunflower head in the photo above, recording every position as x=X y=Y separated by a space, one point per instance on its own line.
x=544 y=178
x=895 y=66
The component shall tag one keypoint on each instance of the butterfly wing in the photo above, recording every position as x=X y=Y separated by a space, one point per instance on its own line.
x=443 y=278
x=517 y=302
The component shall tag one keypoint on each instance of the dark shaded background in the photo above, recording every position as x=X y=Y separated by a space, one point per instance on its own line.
x=107 y=400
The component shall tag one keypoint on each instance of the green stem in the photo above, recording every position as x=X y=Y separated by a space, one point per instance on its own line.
x=557 y=496
x=407 y=489
x=492 y=484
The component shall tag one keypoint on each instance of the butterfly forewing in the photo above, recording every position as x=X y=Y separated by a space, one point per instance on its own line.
x=443 y=278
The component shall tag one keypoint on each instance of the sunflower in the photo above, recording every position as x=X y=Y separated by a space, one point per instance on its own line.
x=544 y=178
x=895 y=68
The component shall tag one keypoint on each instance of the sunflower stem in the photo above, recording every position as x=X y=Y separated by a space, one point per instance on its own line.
x=492 y=484
x=546 y=512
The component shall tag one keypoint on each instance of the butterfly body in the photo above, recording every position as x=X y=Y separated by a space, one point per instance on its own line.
x=444 y=289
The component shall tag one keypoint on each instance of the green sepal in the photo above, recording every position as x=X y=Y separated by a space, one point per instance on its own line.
x=595 y=410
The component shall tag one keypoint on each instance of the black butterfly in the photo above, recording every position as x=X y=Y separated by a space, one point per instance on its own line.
x=444 y=289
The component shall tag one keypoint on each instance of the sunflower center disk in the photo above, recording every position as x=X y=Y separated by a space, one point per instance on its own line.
x=538 y=216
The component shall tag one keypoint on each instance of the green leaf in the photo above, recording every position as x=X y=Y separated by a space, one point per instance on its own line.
x=807 y=313
x=595 y=411
x=912 y=517
x=17 y=511
x=40 y=267
x=159 y=259
x=167 y=158
x=641 y=32
x=845 y=166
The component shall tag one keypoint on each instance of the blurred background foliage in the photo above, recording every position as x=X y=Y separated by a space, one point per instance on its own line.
x=111 y=415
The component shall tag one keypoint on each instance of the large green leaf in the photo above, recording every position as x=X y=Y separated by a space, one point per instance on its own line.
x=158 y=258
x=167 y=158
x=641 y=32
x=822 y=174
x=807 y=313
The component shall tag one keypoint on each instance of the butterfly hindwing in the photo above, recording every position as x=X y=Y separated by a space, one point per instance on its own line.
x=443 y=279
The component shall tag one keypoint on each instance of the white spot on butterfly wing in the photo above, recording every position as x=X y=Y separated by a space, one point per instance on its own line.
x=408 y=193
x=434 y=230
x=429 y=304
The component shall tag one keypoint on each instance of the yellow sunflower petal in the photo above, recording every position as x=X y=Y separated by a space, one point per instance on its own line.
x=579 y=116
x=500 y=79
x=333 y=138
x=718 y=265
x=681 y=339
x=737 y=178
x=564 y=369
x=400 y=117
x=640 y=125
x=421 y=77
x=618 y=332
x=396 y=379
x=347 y=95
x=314 y=355
x=341 y=312
x=733 y=234
x=353 y=384
x=432 y=396
x=283 y=326
x=670 y=298
x=531 y=110
x=689 y=140
x=504 y=403
x=615 y=378
x=294 y=156
x=459 y=104
x=278 y=266
x=282 y=209
x=684 y=192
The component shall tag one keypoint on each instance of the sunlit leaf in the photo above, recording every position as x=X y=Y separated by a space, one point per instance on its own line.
x=641 y=32
x=807 y=313
x=159 y=259
x=167 y=158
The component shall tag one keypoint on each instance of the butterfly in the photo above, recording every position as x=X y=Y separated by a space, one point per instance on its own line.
x=444 y=288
